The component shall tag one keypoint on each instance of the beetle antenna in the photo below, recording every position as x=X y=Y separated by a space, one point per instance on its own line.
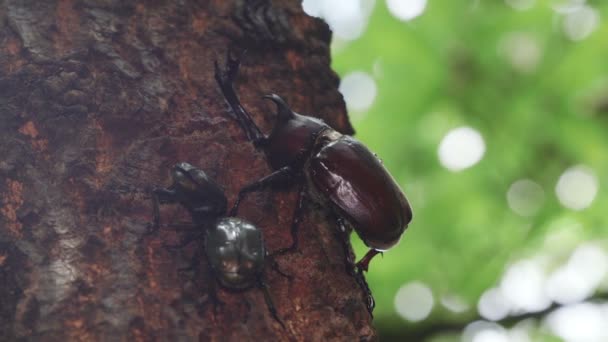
x=284 y=113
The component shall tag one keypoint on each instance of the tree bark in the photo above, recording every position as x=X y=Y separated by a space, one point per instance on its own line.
x=98 y=99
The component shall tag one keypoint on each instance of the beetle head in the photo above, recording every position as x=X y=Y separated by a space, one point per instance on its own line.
x=181 y=175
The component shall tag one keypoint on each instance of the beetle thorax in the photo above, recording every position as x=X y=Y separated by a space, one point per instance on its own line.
x=292 y=139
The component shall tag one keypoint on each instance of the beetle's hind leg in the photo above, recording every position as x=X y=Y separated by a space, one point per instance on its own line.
x=353 y=269
x=363 y=264
x=225 y=79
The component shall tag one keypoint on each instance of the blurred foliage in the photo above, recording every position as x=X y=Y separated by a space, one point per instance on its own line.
x=450 y=67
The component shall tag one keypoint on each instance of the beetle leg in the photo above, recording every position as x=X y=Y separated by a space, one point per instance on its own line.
x=363 y=264
x=193 y=265
x=183 y=226
x=352 y=269
x=160 y=196
x=185 y=242
x=225 y=79
x=212 y=293
x=273 y=311
x=369 y=297
x=248 y=311
x=297 y=216
x=344 y=233
x=282 y=176
x=164 y=195
x=275 y=266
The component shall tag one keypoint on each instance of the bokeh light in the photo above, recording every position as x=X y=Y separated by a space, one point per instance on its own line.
x=479 y=329
x=521 y=50
x=461 y=148
x=584 y=322
x=566 y=6
x=523 y=286
x=511 y=96
x=347 y=18
x=454 y=303
x=359 y=90
x=493 y=305
x=521 y=5
x=525 y=197
x=414 y=301
x=491 y=335
x=577 y=187
x=406 y=9
x=579 y=23
x=579 y=278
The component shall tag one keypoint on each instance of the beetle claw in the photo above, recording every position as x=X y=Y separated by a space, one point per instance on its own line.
x=363 y=264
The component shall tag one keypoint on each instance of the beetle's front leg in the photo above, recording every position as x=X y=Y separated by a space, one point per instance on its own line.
x=281 y=177
x=225 y=79
x=160 y=196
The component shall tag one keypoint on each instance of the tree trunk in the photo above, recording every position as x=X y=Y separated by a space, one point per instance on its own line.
x=98 y=99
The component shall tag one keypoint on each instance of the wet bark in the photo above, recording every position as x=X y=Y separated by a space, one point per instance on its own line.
x=98 y=99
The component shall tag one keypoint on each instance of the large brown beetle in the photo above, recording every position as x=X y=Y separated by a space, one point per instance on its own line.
x=332 y=169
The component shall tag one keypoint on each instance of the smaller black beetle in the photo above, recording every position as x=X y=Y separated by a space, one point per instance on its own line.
x=234 y=247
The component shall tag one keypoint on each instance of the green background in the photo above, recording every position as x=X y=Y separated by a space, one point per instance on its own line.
x=448 y=68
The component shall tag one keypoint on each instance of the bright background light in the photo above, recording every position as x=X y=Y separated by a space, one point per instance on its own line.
x=492 y=116
x=577 y=187
x=414 y=301
x=406 y=9
x=359 y=90
x=461 y=148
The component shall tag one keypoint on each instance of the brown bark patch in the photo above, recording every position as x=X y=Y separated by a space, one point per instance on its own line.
x=13 y=47
x=13 y=199
x=30 y=130
x=103 y=160
x=67 y=25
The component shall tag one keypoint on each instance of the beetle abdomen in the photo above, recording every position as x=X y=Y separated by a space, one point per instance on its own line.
x=359 y=186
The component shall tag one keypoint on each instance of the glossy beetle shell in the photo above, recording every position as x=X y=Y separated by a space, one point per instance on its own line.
x=362 y=190
x=235 y=251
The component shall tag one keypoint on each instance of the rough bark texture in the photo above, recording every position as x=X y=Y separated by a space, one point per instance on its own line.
x=98 y=99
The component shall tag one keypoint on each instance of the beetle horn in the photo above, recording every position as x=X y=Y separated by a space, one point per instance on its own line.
x=283 y=110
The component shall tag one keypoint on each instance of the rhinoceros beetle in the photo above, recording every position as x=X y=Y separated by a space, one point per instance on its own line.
x=235 y=250
x=332 y=169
